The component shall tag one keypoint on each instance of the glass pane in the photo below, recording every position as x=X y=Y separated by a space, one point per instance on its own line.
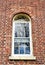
x=22 y=47
x=27 y=44
x=27 y=30
x=21 y=29
x=16 y=50
x=17 y=44
x=21 y=50
x=27 y=50
x=22 y=39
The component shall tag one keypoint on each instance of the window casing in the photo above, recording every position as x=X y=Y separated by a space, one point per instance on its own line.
x=22 y=47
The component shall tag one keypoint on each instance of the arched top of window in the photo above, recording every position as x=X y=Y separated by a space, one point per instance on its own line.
x=21 y=16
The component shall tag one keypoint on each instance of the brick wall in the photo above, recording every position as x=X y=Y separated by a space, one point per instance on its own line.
x=36 y=9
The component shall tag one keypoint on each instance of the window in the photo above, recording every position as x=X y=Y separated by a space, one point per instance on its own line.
x=22 y=47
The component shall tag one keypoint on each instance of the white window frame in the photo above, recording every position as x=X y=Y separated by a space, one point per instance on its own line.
x=22 y=56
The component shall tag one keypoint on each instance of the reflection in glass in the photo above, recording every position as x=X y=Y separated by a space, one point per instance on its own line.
x=16 y=44
x=16 y=50
x=27 y=50
x=21 y=50
x=27 y=44
x=21 y=40
x=21 y=29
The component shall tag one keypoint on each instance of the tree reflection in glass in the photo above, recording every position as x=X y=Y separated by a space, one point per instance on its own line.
x=22 y=46
x=21 y=29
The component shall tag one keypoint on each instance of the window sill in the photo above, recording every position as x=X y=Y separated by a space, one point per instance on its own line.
x=22 y=57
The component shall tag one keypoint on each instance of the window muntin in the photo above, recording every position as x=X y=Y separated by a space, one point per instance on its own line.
x=21 y=37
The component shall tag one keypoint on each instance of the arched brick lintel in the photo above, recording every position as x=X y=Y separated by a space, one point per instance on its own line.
x=24 y=10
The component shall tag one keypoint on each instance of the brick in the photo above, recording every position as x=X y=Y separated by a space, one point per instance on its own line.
x=35 y=9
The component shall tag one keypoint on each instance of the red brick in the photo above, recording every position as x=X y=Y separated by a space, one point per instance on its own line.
x=36 y=9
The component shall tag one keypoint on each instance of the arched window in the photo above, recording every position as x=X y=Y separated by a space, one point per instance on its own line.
x=22 y=47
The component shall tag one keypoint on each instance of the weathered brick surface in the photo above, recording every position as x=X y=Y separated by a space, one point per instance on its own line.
x=36 y=9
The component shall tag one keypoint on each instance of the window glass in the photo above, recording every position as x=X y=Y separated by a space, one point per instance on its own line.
x=21 y=29
x=22 y=48
x=22 y=38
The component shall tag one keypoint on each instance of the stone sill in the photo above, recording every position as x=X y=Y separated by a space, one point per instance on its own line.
x=22 y=57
